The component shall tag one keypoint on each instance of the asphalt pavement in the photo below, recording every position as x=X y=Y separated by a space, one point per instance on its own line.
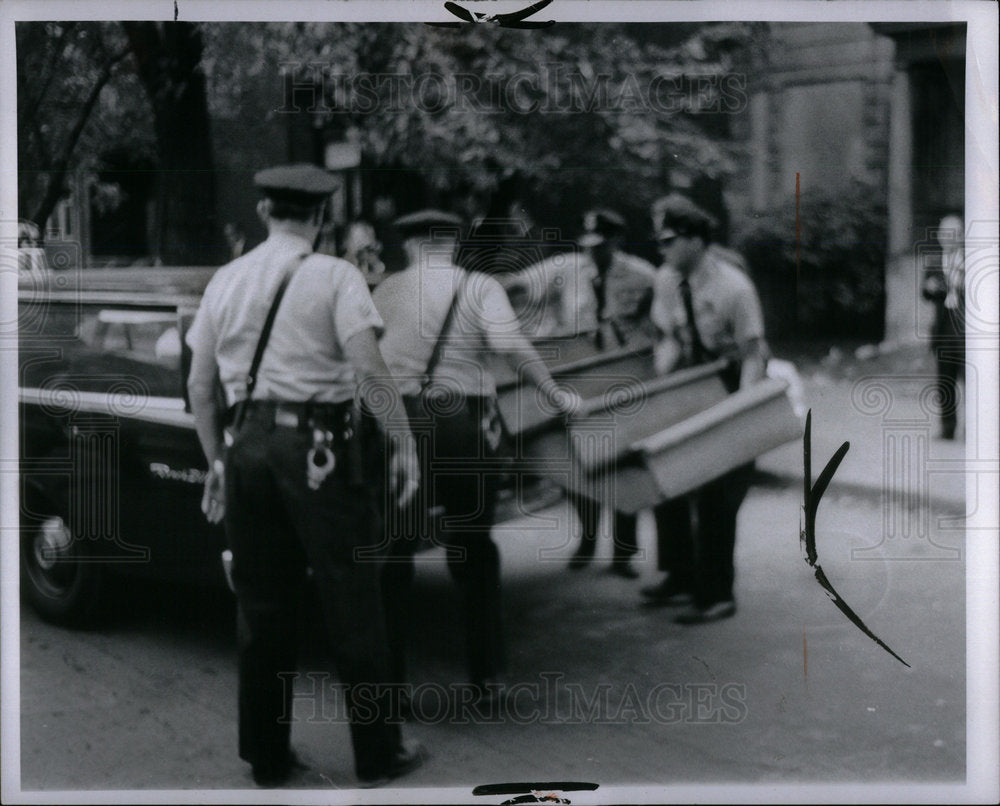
x=600 y=689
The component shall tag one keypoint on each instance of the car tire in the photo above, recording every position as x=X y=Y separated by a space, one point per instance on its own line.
x=58 y=579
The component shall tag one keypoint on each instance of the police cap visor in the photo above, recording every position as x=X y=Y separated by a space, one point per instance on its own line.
x=424 y=222
x=303 y=184
x=599 y=225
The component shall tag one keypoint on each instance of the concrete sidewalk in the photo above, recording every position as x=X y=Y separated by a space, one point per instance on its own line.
x=892 y=426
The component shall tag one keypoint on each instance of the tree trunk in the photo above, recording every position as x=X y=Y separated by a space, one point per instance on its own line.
x=169 y=64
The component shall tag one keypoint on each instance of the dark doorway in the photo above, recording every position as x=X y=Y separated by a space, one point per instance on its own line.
x=119 y=207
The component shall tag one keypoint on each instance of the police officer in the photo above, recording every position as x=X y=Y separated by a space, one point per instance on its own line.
x=705 y=308
x=613 y=293
x=944 y=285
x=441 y=324
x=293 y=486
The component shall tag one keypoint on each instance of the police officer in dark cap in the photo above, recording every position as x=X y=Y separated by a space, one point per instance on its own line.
x=614 y=290
x=441 y=324
x=616 y=303
x=295 y=486
x=677 y=207
x=705 y=308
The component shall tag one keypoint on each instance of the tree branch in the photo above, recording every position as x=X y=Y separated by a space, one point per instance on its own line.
x=50 y=72
x=59 y=170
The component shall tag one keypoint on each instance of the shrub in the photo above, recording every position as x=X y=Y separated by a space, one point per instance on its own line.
x=831 y=280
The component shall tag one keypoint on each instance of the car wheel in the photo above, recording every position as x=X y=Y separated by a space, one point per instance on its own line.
x=58 y=579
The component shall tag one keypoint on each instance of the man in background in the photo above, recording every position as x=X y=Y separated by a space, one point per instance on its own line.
x=604 y=292
x=362 y=248
x=236 y=239
x=944 y=285
x=705 y=308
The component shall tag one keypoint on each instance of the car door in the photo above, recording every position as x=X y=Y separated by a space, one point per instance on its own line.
x=111 y=471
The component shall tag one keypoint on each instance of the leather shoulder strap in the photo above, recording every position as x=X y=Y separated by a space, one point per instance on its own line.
x=435 y=358
x=265 y=334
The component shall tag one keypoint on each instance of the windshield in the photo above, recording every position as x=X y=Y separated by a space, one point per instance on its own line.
x=97 y=348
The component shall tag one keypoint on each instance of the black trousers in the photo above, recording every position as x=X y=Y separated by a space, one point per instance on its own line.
x=950 y=356
x=696 y=536
x=452 y=454
x=624 y=537
x=276 y=525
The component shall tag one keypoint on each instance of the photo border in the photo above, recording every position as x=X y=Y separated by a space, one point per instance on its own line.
x=982 y=555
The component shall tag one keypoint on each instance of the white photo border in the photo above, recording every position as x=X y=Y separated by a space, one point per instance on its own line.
x=982 y=194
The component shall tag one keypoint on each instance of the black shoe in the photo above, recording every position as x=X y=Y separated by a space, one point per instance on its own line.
x=704 y=615
x=581 y=559
x=270 y=776
x=623 y=568
x=401 y=703
x=409 y=756
x=665 y=594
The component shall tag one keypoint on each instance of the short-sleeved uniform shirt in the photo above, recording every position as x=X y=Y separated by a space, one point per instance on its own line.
x=325 y=304
x=563 y=287
x=726 y=308
x=414 y=305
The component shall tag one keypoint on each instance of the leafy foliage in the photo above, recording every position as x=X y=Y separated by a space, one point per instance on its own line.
x=830 y=280
x=75 y=99
x=588 y=113
x=585 y=112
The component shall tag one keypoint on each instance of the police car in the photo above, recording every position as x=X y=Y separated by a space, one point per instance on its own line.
x=111 y=471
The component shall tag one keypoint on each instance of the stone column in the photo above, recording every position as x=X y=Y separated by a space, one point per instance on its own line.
x=901 y=284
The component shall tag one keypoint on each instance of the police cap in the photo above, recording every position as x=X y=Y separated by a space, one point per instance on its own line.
x=599 y=225
x=303 y=184
x=423 y=222
x=678 y=215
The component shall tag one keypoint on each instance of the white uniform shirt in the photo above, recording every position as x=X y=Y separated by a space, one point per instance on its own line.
x=953 y=262
x=326 y=303
x=562 y=300
x=414 y=305
x=726 y=307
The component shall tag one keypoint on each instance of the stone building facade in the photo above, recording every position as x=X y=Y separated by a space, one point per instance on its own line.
x=881 y=103
x=927 y=173
x=818 y=111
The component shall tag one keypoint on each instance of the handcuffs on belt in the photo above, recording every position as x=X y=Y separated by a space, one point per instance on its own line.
x=320 y=460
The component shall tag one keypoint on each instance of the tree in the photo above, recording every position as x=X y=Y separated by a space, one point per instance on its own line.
x=588 y=113
x=66 y=72
x=87 y=89
x=168 y=63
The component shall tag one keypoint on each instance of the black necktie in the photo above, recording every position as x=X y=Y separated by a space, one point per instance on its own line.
x=597 y=283
x=698 y=352
x=599 y=295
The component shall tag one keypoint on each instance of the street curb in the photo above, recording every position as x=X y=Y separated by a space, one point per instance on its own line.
x=511 y=508
x=775 y=479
